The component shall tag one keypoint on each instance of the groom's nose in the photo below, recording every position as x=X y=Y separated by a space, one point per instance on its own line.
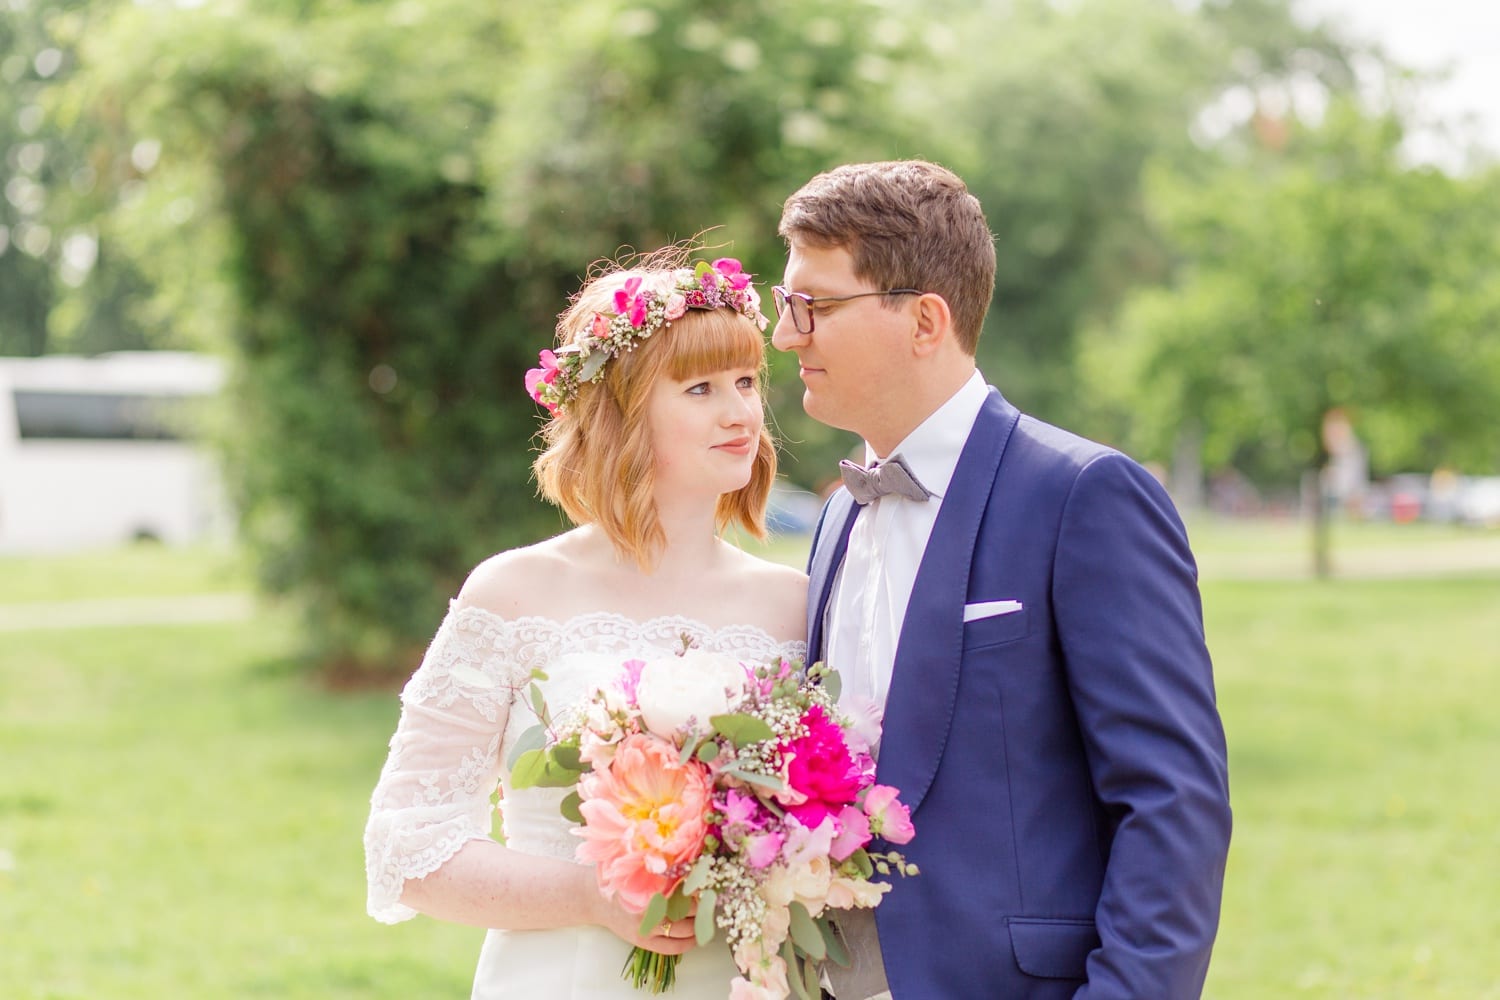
x=785 y=336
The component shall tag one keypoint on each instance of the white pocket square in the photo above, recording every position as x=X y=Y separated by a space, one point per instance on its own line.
x=990 y=609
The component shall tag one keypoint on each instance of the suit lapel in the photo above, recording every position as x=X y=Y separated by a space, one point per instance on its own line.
x=826 y=555
x=924 y=681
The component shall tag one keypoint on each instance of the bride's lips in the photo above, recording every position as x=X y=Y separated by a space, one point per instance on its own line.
x=739 y=446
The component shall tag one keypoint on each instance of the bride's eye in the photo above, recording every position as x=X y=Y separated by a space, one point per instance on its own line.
x=747 y=382
x=700 y=389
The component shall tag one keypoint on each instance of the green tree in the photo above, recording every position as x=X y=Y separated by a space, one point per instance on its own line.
x=394 y=247
x=1322 y=275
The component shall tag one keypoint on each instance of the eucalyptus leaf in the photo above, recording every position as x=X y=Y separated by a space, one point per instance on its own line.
x=532 y=739
x=708 y=751
x=751 y=778
x=703 y=923
x=567 y=756
x=741 y=729
x=697 y=876
x=554 y=776
x=592 y=365
x=529 y=768
x=810 y=976
x=837 y=953
x=794 y=978
x=569 y=807
x=538 y=703
x=805 y=933
x=655 y=913
x=833 y=684
x=679 y=905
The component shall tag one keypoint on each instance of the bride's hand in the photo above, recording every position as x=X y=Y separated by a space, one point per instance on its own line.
x=670 y=937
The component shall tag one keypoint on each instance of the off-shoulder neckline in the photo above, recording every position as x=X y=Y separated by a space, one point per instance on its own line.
x=643 y=625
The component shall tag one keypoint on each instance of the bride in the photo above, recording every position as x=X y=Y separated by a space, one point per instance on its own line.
x=655 y=444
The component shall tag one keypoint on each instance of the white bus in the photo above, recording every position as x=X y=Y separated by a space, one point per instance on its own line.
x=99 y=451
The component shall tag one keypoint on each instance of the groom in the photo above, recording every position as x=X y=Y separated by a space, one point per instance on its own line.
x=1015 y=615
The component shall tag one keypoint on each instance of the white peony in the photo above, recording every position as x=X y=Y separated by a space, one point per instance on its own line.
x=677 y=691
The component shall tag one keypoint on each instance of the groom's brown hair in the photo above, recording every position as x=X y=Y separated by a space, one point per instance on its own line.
x=906 y=224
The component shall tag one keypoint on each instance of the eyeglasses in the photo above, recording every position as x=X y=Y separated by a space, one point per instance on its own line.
x=801 y=303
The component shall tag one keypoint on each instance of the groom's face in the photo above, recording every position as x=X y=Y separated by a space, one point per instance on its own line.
x=856 y=361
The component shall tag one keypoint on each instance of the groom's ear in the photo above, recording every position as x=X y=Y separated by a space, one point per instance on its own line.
x=934 y=324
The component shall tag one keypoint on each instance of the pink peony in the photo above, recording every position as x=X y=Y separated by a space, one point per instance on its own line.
x=645 y=819
x=888 y=817
x=822 y=769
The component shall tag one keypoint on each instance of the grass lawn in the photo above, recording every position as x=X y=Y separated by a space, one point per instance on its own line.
x=181 y=808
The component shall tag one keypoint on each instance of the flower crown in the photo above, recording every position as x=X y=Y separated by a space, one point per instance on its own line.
x=638 y=313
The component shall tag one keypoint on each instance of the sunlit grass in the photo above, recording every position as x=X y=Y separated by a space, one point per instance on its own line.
x=181 y=807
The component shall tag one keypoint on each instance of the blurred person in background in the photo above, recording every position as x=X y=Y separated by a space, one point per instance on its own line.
x=1015 y=615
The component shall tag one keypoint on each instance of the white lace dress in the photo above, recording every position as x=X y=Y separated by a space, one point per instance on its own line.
x=459 y=718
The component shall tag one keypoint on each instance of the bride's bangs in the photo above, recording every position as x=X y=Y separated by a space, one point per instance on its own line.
x=706 y=341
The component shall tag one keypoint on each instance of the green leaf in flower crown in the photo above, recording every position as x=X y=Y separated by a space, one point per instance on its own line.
x=837 y=953
x=805 y=933
x=740 y=729
x=697 y=876
x=591 y=365
x=703 y=923
x=569 y=807
x=655 y=912
x=703 y=268
x=532 y=739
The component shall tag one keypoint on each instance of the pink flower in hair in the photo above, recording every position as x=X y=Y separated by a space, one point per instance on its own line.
x=733 y=272
x=624 y=296
x=545 y=375
x=676 y=305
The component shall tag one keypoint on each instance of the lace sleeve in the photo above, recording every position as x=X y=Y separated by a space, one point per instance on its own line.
x=434 y=791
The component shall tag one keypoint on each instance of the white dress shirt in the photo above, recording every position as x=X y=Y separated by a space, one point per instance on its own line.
x=872 y=586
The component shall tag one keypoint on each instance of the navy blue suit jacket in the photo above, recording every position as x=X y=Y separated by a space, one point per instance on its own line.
x=1065 y=764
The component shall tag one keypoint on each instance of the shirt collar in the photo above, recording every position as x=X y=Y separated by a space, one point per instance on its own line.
x=931 y=451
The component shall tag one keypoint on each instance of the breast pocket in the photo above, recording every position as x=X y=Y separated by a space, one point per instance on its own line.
x=995 y=630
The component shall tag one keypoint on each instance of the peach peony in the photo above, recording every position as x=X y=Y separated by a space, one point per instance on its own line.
x=645 y=818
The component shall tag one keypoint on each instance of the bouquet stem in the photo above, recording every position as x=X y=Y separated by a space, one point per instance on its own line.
x=651 y=970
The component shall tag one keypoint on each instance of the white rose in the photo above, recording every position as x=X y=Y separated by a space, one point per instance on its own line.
x=678 y=690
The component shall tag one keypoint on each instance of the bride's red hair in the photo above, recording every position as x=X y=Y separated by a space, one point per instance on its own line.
x=596 y=462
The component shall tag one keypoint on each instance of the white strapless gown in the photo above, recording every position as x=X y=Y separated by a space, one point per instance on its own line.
x=460 y=717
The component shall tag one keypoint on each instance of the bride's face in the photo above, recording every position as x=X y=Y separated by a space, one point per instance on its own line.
x=705 y=432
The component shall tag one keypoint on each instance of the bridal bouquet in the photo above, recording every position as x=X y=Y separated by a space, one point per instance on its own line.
x=733 y=785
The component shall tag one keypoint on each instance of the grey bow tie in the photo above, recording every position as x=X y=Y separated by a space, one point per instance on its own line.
x=891 y=476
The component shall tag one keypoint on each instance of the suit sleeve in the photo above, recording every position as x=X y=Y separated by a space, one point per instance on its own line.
x=1130 y=624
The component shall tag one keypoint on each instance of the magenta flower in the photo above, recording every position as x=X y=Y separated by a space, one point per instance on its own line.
x=624 y=296
x=733 y=272
x=822 y=769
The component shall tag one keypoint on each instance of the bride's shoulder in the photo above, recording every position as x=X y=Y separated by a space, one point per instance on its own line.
x=778 y=591
x=521 y=582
